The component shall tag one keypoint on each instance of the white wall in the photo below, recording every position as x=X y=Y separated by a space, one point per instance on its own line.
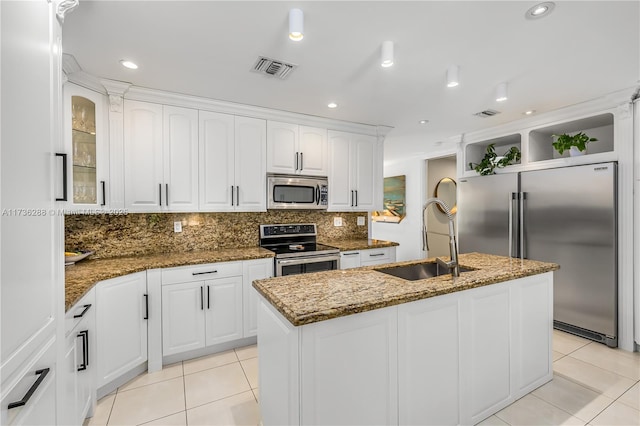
x=408 y=232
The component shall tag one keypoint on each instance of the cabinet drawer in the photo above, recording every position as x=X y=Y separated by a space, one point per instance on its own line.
x=201 y=272
x=375 y=256
x=82 y=309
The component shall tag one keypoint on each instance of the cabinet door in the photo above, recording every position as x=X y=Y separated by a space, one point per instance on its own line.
x=349 y=259
x=121 y=326
x=143 y=167
x=180 y=139
x=313 y=151
x=282 y=148
x=364 y=157
x=253 y=270
x=183 y=310
x=223 y=307
x=341 y=196
x=250 y=174
x=217 y=157
x=86 y=146
x=69 y=405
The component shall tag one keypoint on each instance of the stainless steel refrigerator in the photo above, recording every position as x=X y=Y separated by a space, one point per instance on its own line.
x=565 y=215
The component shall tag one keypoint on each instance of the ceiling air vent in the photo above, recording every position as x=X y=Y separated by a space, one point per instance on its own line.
x=487 y=113
x=273 y=67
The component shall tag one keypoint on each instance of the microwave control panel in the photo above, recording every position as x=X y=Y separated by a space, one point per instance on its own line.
x=324 y=195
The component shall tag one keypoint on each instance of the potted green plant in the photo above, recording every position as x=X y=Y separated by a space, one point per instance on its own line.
x=576 y=144
x=491 y=160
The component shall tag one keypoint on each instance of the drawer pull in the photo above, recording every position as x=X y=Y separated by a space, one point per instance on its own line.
x=146 y=306
x=351 y=254
x=85 y=350
x=376 y=254
x=42 y=374
x=215 y=271
x=84 y=311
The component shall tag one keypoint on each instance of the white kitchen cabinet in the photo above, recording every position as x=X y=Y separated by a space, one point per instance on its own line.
x=31 y=300
x=86 y=148
x=199 y=312
x=368 y=257
x=232 y=166
x=78 y=371
x=160 y=157
x=253 y=270
x=121 y=326
x=293 y=149
x=355 y=172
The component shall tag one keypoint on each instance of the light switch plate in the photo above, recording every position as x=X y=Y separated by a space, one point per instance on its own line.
x=360 y=220
x=337 y=221
x=177 y=226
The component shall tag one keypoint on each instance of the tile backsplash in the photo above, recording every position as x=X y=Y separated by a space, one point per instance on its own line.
x=151 y=233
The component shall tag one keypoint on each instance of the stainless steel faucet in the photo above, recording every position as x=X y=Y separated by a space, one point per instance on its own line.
x=452 y=265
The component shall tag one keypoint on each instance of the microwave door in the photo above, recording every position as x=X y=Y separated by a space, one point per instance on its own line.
x=317 y=195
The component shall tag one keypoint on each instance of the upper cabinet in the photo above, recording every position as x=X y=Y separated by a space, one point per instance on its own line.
x=160 y=157
x=293 y=149
x=85 y=149
x=355 y=172
x=232 y=163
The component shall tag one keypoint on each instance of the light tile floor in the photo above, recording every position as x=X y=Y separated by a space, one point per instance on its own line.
x=592 y=385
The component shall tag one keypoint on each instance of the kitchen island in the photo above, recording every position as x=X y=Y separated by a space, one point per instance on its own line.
x=363 y=347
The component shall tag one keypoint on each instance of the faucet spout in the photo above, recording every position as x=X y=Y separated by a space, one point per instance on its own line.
x=453 y=245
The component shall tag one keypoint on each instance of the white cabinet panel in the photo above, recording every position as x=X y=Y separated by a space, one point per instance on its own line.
x=340 y=190
x=282 y=148
x=367 y=257
x=350 y=259
x=250 y=169
x=121 y=326
x=313 y=151
x=180 y=144
x=217 y=180
x=253 y=270
x=365 y=177
x=183 y=313
x=143 y=165
x=428 y=362
x=364 y=348
x=223 y=310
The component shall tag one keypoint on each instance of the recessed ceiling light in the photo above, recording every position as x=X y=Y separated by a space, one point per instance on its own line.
x=540 y=10
x=129 y=64
x=531 y=111
x=452 y=76
x=423 y=121
x=332 y=105
x=501 y=92
x=387 y=54
x=296 y=24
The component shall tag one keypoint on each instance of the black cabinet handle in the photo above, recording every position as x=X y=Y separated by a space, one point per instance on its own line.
x=104 y=193
x=215 y=271
x=166 y=192
x=84 y=311
x=350 y=254
x=201 y=298
x=42 y=374
x=376 y=254
x=301 y=162
x=208 y=297
x=356 y=191
x=160 y=193
x=64 y=176
x=296 y=161
x=146 y=306
x=85 y=350
x=237 y=195
x=351 y=198
x=232 y=202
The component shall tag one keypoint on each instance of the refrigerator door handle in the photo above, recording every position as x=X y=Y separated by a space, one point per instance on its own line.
x=512 y=197
x=522 y=197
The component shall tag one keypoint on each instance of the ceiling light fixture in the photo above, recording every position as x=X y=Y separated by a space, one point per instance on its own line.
x=332 y=105
x=423 y=121
x=540 y=10
x=129 y=64
x=452 y=76
x=501 y=92
x=296 y=24
x=531 y=111
x=387 y=54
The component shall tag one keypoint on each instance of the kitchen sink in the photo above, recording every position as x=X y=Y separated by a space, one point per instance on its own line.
x=419 y=271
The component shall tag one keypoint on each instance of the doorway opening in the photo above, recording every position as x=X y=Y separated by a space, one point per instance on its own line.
x=440 y=182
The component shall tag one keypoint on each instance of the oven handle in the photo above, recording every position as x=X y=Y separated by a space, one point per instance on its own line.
x=312 y=259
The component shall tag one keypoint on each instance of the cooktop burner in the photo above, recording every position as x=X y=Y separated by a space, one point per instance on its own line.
x=293 y=240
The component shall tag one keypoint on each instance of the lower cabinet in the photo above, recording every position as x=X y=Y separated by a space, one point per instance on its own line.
x=78 y=371
x=121 y=326
x=368 y=257
x=201 y=313
x=253 y=270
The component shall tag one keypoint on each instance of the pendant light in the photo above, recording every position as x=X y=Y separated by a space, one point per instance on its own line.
x=501 y=92
x=387 y=54
x=452 y=76
x=296 y=24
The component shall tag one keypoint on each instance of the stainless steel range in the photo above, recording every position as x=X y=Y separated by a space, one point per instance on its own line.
x=296 y=249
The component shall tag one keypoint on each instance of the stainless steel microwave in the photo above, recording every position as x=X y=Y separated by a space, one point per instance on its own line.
x=297 y=192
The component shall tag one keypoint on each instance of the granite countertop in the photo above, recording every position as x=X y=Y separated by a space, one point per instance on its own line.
x=82 y=276
x=362 y=244
x=308 y=298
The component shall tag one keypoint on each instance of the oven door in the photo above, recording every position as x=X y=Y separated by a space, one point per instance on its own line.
x=305 y=265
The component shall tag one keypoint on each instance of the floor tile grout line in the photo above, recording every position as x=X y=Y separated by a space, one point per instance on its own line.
x=602 y=368
x=153 y=420
x=220 y=399
x=553 y=405
x=211 y=368
x=184 y=391
x=113 y=403
x=247 y=379
x=573 y=415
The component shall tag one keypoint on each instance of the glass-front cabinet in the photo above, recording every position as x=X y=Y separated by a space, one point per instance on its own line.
x=85 y=147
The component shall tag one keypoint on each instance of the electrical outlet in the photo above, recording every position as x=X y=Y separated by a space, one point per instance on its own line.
x=337 y=221
x=177 y=226
x=360 y=220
